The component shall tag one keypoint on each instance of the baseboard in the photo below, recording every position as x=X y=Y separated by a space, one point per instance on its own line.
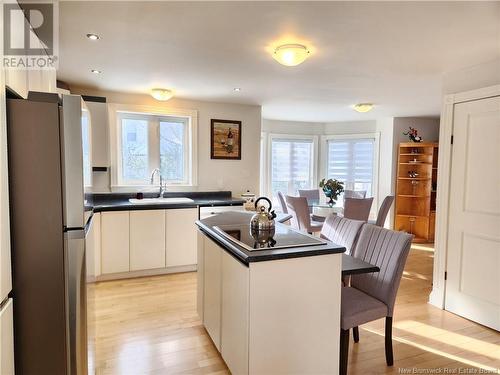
x=436 y=298
x=145 y=273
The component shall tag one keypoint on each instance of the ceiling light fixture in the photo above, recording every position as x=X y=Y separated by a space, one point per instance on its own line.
x=237 y=89
x=291 y=54
x=363 y=107
x=162 y=94
x=95 y=71
x=93 y=36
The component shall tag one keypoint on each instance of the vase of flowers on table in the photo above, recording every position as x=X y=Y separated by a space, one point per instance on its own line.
x=332 y=189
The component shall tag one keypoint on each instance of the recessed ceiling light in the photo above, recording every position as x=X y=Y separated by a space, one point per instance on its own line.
x=162 y=94
x=237 y=89
x=95 y=71
x=363 y=107
x=291 y=54
x=93 y=36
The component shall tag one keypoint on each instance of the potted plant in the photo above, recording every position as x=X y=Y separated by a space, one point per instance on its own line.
x=332 y=189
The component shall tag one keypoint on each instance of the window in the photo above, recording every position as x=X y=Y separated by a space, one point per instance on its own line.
x=352 y=160
x=292 y=164
x=146 y=142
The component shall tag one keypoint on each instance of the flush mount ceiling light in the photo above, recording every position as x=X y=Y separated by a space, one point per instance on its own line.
x=291 y=54
x=237 y=89
x=363 y=107
x=162 y=94
x=95 y=71
x=93 y=36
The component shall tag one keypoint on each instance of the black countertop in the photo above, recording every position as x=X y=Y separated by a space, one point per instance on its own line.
x=245 y=256
x=120 y=201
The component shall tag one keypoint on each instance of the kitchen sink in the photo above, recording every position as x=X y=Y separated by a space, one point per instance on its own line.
x=161 y=200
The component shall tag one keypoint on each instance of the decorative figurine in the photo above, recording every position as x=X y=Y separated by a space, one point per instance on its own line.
x=413 y=135
x=413 y=174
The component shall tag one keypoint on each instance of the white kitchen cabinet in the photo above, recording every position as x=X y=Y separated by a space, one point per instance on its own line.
x=235 y=307
x=200 y=274
x=212 y=294
x=99 y=115
x=147 y=239
x=93 y=247
x=7 y=339
x=115 y=254
x=17 y=80
x=181 y=238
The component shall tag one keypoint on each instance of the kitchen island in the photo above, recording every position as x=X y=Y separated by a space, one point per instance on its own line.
x=269 y=310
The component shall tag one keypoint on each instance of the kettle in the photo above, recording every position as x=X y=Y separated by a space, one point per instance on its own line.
x=263 y=220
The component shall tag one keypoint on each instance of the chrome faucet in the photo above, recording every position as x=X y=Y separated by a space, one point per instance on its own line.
x=163 y=187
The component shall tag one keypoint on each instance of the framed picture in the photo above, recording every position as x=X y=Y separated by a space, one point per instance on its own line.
x=225 y=139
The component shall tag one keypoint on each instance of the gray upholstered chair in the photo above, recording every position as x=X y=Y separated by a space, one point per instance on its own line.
x=357 y=209
x=309 y=193
x=281 y=199
x=341 y=231
x=298 y=208
x=372 y=296
x=359 y=194
x=383 y=211
x=312 y=194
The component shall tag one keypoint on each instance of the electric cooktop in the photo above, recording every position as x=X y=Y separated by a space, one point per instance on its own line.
x=283 y=237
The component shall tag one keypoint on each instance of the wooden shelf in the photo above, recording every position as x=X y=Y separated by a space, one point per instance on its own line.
x=415 y=201
x=405 y=215
x=417 y=163
x=413 y=196
x=414 y=178
x=413 y=154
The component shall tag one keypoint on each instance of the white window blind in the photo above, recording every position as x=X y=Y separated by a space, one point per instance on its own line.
x=291 y=165
x=352 y=161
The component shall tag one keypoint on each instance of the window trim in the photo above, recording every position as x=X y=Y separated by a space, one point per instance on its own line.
x=140 y=110
x=314 y=157
x=376 y=157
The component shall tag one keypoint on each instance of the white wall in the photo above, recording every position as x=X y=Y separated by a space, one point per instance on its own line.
x=234 y=175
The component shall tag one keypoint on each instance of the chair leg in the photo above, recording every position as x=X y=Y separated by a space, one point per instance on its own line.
x=355 y=334
x=344 y=351
x=388 y=341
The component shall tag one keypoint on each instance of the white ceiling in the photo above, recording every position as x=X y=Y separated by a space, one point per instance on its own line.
x=393 y=54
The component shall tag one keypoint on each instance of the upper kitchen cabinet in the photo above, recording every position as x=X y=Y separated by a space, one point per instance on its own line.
x=99 y=114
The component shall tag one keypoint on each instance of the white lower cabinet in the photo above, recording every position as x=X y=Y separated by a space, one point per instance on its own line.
x=235 y=308
x=181 y=236
x=147 y=239
x=212 y=293
x=146 y=242
x=115 y=249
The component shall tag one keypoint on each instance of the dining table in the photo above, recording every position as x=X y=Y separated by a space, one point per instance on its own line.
x=356 y=266
x=319 y=207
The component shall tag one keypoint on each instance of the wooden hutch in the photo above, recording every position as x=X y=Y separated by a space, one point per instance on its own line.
x=416 y=189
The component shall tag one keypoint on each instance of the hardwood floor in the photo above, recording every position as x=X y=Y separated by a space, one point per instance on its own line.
x=150 y=326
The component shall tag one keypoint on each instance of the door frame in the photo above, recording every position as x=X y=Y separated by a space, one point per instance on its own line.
x=437 y=296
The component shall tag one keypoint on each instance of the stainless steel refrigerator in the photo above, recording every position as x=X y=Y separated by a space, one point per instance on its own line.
x=47 y=153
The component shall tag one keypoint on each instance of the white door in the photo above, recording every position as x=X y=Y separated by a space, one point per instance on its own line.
x=473 y=262
x=181 y=238
x=147 y=239
x=115 y=242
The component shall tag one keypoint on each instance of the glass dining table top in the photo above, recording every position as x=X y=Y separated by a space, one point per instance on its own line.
x=322 y=204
